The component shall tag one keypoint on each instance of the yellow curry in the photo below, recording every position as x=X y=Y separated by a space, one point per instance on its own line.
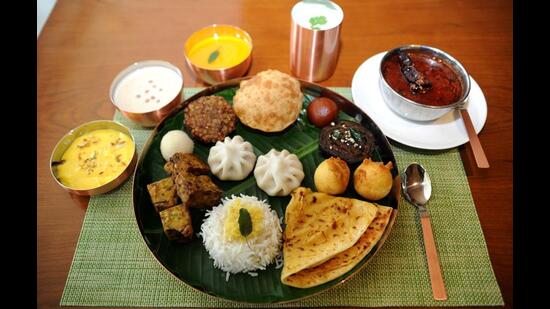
x=95 y=158
x=219 y=52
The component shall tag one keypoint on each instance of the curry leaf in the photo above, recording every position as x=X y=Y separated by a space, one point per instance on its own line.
x=213 y=56
x=356 y=135
x=245 y=222
x=317 y=20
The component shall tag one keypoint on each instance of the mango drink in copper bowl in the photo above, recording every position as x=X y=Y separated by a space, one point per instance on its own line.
x=218 y=53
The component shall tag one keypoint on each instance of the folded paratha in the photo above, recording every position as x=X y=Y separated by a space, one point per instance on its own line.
x=320 y=226
x=346 y=260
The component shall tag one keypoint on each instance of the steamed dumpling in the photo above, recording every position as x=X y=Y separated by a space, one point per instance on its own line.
x=278 y=173
x=232 y=159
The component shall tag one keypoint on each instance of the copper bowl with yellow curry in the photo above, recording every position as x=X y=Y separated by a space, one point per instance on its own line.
x=219 y=53
x=94 y=158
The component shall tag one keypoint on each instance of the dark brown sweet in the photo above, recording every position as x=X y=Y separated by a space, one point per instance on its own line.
x=186 y=163
x=163 y=194
x=197 y=191
x=348 y=140
x=321 y=111
x=209 y=119
x=177 y=224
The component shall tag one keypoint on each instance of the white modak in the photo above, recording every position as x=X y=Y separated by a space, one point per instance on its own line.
x=278 y=173
x=232 y=159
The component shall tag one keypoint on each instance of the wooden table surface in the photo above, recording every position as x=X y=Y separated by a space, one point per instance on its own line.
x=86 y=43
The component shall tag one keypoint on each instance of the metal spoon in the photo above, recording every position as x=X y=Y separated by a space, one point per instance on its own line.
x=417 y=189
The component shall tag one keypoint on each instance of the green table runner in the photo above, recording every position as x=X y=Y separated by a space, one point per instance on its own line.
x=112 y=266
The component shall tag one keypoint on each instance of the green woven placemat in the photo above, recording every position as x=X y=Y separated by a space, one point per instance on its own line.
x=113 y=267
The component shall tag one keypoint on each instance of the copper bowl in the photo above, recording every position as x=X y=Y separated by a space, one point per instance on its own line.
x=150 y=118
x=69 y=138
x=213 y=76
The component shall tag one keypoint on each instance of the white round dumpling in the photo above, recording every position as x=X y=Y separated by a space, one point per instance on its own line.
x=175 y=141
x=278 y=173
x=232 y=159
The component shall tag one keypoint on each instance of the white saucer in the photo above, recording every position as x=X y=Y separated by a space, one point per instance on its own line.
x=443 y=133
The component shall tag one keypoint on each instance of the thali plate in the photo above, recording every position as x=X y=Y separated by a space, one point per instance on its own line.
x=190 y=262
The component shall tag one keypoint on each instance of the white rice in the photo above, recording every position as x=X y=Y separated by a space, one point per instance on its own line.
x=236 y=257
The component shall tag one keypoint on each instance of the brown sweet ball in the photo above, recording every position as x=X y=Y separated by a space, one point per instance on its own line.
x=321 y=111
x=373 y=180
x=332 y=176
x=209 y=119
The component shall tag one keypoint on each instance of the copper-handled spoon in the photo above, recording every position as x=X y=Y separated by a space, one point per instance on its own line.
x=479 y=154
x=417 y=189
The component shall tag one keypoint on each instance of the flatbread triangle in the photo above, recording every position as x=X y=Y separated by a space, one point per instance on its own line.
x=346 y=260
x=320 y=226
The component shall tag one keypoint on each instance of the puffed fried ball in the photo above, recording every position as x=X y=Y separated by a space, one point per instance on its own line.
x=373 y=180
x=332 y=176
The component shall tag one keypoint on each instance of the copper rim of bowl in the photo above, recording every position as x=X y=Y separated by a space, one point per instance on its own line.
x=459 y=68
x=69 y=138
x=149 y=118
x=213 y=26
